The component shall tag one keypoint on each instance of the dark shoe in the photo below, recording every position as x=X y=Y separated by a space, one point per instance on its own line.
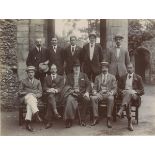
x=48 y=125
x=109 y=123
x=67 y=124
x=83 y=123
x=95 y=122
x=57 y=116
x=28 y=126
x=130 y=126
x=38 y=117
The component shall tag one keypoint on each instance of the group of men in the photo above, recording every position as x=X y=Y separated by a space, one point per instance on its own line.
x=91 y=76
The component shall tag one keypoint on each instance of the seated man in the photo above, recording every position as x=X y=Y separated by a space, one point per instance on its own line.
x=104 y=89
x=53 y=85
x=29 y=91
x=131 y=87
x=79 y=93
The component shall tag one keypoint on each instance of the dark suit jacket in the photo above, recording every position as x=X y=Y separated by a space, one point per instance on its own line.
x=94 y=64
x=118 y=63
x=57 y=59
x=137 y=84
x=35 y=58
x=69 y=58
x=26 y=87
x=111 y=84
x=57 y=83
x=84 y=83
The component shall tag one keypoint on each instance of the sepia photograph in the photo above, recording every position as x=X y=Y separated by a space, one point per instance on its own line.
x=77 y=77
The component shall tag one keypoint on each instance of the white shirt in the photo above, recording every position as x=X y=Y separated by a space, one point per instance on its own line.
x=31 y=80
x=38 y=48
x=118 y=51
x=53 y=76
x=55 y=48
x=73 y=49
x=104 y=78
x=128 y=84
x=91 y=47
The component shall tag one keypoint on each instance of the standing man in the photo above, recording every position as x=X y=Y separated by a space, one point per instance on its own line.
x=30 y=91
x=104 y=89
x=52 y=87
x=92 y=55
x=131 y=88
x=38 y=57
x=118 y=58
x=56 y=56
x=79 y=93
x=72 y=52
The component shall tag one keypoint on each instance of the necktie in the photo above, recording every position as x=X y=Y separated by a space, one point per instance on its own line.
x=54 y=48
x=39 y=49
x=103 y=80
x=72 y=50
x=91 y=45
x=129 y=76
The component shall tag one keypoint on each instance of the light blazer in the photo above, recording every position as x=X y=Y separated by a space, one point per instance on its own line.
x=118 y=63
x=110 y=83
x=26 y=87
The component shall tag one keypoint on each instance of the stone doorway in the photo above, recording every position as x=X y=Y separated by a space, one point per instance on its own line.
x=142 y=63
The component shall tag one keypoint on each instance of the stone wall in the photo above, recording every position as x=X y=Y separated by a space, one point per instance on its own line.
x=8 y=63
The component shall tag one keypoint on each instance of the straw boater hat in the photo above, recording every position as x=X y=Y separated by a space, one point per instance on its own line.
x=104 y=63
x=92 y=34
x=30 y=68
x=43 y=67
x=118 y=36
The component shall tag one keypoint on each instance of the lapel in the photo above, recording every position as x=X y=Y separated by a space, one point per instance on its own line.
x=30 y=84
x=100 y=80
x=134 y=80
x=95 y=50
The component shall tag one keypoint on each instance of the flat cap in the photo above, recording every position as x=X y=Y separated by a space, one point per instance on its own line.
x=30 y=68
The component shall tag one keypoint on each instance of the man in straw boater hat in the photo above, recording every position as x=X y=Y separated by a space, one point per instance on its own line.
x=30 y=91
x=104 y=89
x=39 y=58
x=118 y=58
x=78 y=94
x=92 y=55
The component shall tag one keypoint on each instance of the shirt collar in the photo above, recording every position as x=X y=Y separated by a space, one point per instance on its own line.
x=54 y=46
x=92 y=44
x=130 y=74
x=53 y=75
x=73 y=46
x=38 y=48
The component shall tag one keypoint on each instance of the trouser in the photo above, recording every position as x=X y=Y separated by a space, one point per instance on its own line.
x=97 y=99
x=72 y=105
x=51 y=107
x=127 y=100
x=31 y=106
x=40 y=76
